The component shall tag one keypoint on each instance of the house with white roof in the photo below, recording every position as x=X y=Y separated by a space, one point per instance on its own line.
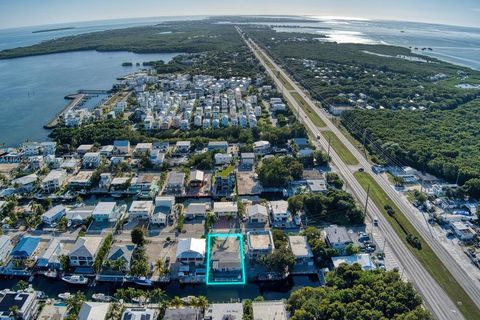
x=257 y=214
x=261 y=147
x=54 y=181
x=223 y=311
x=105 y=211
x=5 y=248
x=225 y=209
x=279 y=211
x=301 y=249
x=25 y=184
x=269 y=310
x=139 y=313
x=84 y=251
x=140 y=210
x=191 y=250
x=91 y=159
x=53 y=215
x=223 y=158
x=93 y=311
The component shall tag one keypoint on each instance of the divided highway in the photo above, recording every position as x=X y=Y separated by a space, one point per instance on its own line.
x=434 y=296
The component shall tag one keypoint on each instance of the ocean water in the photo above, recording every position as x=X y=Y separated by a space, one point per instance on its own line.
x=32 y=89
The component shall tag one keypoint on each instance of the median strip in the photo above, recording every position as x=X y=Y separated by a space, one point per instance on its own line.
x=425 y=255
x=340 y=148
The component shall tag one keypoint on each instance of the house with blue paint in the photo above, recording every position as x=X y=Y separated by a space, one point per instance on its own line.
x=25 y=248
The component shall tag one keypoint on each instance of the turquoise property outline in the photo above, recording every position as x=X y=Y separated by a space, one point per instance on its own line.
x=242 y=258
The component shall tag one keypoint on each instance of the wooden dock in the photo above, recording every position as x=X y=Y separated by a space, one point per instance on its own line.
x=78 y=98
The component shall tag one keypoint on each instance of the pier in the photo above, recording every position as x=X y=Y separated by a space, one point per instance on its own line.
x=78 y=98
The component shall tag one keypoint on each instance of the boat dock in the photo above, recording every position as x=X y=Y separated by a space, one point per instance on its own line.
x=78 y=98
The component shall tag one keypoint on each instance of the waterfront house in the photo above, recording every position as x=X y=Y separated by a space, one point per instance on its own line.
x=145 y=185
x=30 y=148
x=54 y=181
x=83 y=179
x=247 y=159
x=257 y=214
x=224 y=182
x=84 y=251
x=71 y=165
x=225 y=209
x=221 y=146
x=269 y=310
x=224 y=311
x=121 y=252
x=163 y=207
x=26 y=248
x=191 y=250
x=301 y=249
x=261 y=147
x=105 y=180
x=105 y=211
x=140 y=210
x=84 y=148
x=175 y=183
x=182 y=147
x=279 y=211
x=36 y=163
x=162 y=146
x=196 y=179
x=91 y=160
x=53 y=215
x=139 y=313
x=121 y=147
x=337 y=237
x=120 y=184
x=259 y=243
x=25 y=304
x=5 y=248
x=49 y=259
x=196 y=210
x=183 y=313
x=25 y=184
x=363 y=259
x=48 y=147
x=93 y=311
x=107 y=151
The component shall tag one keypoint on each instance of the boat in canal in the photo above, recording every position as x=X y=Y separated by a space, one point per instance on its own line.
x=143 y=281
x=102 y=297
x=75 y=279
x=65 y=295
x=52 y=274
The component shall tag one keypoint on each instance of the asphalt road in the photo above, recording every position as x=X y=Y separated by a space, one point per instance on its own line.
x=435 y=298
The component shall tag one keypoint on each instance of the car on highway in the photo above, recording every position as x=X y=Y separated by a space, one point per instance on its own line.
x=361 y=169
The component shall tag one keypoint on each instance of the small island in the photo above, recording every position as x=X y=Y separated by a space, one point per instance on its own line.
x=55 y=29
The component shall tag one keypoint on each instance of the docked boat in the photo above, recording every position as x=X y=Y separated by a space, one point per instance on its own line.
x=102 y=297
x=51 y=274
x=143 y=281
x=75 y=279
x=65 y=295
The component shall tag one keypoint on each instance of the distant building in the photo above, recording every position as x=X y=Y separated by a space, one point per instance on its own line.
x=279 y=211
x=105 y=212
x=363 y=259
x=182 y=147
x=218 y=146
x=247 y=159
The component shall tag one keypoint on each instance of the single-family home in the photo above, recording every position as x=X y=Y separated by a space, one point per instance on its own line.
x=224 y=311
x=163 y=207
x=257 y=214
x=107 y=151
x=247 y=159
x=5 y=248
x=279 y=211
x=191 y=250
x=54 y=181
x=175 y=183
x=53 y=215
x=363 y=259
x=183 y=313
x=105 y=212
x=83 y=179
x=225 y=209
x=269 y=310
x=122 y=252
x=91 y=160
x=140 y=210
x=259 y=243
x=49 y=259
x=182 y=147
x=261 y=147
x=301 y=249
x=36 y=163
x=221 y=146
x=196 y=179
x=79 y=215
x=84 y=148
x=139 y=313
x=84 y=251
x=157 y=157
x=223 y=158
x=93 y=311
x=196 y=210
x=25 y=304
x=48 y=147
x=337 y=237
x=463 y=231
x=142 y=149
x=121 y=147
x=26 y=248
x=26 y=183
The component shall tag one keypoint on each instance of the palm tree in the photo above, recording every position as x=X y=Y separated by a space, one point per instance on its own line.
x=200 y=302
x=176 y=302
x=160 y=267
x=15 y=312
x=119 y=265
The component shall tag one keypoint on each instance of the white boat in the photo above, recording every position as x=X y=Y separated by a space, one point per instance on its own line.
x=143 y=281
x=101 y=297
x=75 y=279
x=51 y=274
x=65 y=295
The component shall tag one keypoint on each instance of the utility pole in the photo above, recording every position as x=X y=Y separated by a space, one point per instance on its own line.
x=364 y=138
x=458 y=177
x=366 y=201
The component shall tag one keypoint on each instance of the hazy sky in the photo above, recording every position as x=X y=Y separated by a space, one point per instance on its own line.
x=14 y=13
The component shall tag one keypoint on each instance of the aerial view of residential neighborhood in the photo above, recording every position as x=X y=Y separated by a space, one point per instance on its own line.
x=258 y=167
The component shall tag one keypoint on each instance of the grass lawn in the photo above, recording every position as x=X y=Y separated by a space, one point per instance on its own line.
x=426 y=256
x=317 y=121
x=340 y=148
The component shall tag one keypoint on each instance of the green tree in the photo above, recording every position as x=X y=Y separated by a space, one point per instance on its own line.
x=138 y=236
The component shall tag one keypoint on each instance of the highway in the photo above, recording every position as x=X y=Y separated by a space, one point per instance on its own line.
x=435 y=298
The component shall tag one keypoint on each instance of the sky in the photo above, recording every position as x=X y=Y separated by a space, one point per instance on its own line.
x=16 y=13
